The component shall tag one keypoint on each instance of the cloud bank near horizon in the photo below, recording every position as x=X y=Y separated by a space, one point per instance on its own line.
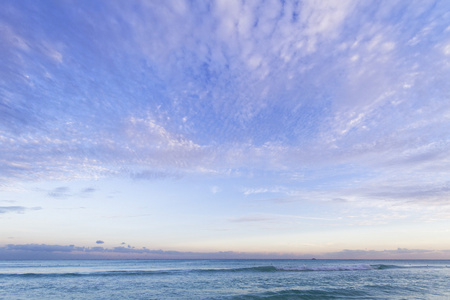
x=44 y=251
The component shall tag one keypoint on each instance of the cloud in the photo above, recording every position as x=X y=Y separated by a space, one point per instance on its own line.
x=99 y=242
x=256 y=218
x=324 y=90
x=153 y=175
x=43 y=248
x=215 y=189
x=60 y=192
x=272 y=220
x=28 y=250
x=413 y=193
x=64 y=192
x=88 y=190
x=17 y=209
x=400 y=253
x=35 y=251
x=252 y=191
x=8 y=201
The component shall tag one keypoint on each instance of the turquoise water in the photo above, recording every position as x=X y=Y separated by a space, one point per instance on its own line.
x=224 y=279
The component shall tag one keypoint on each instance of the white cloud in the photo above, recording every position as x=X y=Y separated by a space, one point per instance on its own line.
x=11 y=37
x=146 y=133
x=325 y=18
x=446 y=49
x=264 y=190
x=215 y=189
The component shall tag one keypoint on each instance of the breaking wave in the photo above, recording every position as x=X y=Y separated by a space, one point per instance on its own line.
x=257 y=269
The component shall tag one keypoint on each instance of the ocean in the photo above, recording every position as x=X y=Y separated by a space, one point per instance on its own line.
x=224 y=279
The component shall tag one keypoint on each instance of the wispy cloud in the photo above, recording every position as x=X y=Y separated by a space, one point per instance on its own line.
x=17 y=209
x=153 y=174
x=64 y=192
x=60 y=192
x=254 y=218
x=88 y=190
x=251 y=191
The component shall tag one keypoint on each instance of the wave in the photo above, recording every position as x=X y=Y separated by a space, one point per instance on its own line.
x=249 y=269
x=306 y=294
x=293 y=269
x=84 y=274
x=257 y=269
x=330 y=268
x=385 y=267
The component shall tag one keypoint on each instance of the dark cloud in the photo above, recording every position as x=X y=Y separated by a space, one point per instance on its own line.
x=16 y=209
x=99 y=242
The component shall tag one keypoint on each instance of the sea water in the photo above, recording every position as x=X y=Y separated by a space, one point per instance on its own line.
x=224 y=279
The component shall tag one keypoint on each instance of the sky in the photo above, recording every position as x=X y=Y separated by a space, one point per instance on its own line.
x=224 y=129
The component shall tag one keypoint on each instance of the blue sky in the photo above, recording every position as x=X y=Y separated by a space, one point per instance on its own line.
x=187 y=129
